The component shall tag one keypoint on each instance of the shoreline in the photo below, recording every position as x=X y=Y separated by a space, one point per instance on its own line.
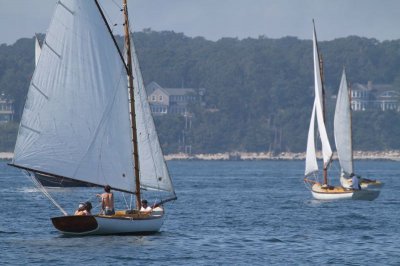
x=393 y=155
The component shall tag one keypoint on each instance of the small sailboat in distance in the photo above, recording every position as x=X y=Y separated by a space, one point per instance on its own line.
x=87 y=119
x=344 y=138
x=324 y=190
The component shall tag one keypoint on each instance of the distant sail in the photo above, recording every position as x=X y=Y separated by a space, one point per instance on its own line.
x=342 y=127
x=38 y=49
x=76 y=121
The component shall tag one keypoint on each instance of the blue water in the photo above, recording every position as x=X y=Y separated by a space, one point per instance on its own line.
x=241 y=213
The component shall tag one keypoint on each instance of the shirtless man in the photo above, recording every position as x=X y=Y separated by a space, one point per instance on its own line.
x=107 y=201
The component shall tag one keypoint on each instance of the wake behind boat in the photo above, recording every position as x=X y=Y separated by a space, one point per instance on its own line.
x=324 y=190
x=87 y=119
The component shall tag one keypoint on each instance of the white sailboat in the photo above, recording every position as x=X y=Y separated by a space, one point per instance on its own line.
x=87 y=119
x=344 y=140
x=323 y=190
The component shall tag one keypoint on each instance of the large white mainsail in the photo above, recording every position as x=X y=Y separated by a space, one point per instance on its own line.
x=153 y=169
x=342 y=127
x=76 y=120
x=326 y=147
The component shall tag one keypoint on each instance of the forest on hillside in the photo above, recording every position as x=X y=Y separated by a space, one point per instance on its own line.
x=260 y=90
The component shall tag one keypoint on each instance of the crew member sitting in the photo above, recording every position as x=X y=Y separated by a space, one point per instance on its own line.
x=145 y=208
x=355 y=182
x=81 y=210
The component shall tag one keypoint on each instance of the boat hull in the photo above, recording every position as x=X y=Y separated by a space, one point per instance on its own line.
x=104 y=225
x=339 y=193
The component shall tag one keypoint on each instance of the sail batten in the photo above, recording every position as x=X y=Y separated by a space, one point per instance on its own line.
x=342 y=127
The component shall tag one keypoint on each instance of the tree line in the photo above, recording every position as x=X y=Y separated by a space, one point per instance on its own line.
x=259 y=91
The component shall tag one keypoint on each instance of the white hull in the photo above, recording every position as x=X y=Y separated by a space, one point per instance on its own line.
x=339 y=193
x=104 y=225
x=331 y=196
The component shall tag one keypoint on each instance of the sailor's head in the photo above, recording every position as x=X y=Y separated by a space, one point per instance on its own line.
x=144 y=202
x=88 y=205
x=81 y=206
x=352 y=174
x=107 y=188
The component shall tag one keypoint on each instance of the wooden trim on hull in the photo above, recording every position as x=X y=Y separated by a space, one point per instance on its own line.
x=102 y=225
x=75 y=224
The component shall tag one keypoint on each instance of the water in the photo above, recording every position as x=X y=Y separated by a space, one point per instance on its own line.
x=241 y=213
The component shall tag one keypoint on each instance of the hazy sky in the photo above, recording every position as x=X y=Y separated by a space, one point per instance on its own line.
x=214 y=19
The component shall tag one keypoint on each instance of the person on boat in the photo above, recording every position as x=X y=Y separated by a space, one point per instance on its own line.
x=145 y=208
x=81 y=210
x=355 y=182
x=107 y=201
x=88 y=207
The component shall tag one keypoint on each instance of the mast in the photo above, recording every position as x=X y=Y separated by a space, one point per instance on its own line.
x=132 y=103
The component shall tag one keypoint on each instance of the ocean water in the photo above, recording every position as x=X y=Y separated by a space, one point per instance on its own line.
x=227 y=213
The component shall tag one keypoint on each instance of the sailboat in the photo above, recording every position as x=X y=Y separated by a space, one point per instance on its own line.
x=87 y=119
x=344 y=140
x=323 y=190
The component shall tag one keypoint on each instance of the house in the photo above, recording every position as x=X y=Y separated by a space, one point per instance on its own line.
x=171 y=100
x=374 y=97
x=6 y=110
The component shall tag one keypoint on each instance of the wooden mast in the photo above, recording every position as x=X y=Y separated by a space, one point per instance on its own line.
x=132 y=104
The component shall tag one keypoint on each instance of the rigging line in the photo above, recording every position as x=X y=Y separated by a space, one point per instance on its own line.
x=126 y=203
x=112 y=36
x=44 y=191
x=108 y=17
